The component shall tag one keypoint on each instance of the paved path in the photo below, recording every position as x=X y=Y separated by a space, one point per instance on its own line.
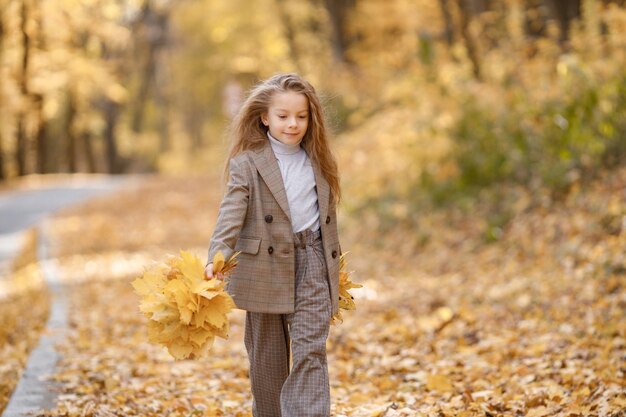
x=20 y=210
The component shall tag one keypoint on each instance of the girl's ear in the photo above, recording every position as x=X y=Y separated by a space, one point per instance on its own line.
x=264 y=119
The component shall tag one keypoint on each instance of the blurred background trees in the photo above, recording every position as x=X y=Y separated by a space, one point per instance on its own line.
x=448 y=97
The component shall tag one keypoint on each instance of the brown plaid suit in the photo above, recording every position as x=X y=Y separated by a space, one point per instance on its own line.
x=288 y=283
x=254 y=218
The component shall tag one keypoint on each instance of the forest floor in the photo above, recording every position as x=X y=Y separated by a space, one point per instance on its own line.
x=529 y=325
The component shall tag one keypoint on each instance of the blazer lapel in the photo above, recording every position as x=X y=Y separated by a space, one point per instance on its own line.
x=267 y=165
x=323 y=191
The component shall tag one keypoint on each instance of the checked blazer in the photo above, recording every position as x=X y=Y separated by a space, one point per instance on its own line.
x=254 y=218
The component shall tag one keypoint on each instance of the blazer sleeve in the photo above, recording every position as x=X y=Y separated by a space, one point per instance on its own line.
x=232 y=212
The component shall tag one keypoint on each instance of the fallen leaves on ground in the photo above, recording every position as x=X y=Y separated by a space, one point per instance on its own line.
x=24 y=309
x=531 y=325
x=22 y=318
x=23 y=275
x=110 y=368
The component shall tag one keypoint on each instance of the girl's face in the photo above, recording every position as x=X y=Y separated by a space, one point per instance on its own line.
x=287 y=117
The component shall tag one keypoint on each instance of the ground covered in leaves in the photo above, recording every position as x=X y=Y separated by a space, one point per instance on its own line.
x=22 y=318
x=24 y=310
x=529 y=325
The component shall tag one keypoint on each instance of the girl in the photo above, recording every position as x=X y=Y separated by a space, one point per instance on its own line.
x=279 y=211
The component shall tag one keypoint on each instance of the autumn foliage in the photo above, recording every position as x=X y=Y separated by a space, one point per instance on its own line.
x=185 y=311
x=482 y=152
x=346 y=300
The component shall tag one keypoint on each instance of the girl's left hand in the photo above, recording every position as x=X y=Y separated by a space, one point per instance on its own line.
x=208 y=273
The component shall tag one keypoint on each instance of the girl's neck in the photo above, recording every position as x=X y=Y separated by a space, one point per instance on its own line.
x=283 y=148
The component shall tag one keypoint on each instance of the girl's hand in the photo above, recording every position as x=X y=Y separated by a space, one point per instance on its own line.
x=208 y=273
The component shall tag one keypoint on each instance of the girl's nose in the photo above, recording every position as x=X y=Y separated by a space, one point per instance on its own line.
x=292 y=122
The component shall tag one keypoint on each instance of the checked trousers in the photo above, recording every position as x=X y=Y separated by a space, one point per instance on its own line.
x=302 y=390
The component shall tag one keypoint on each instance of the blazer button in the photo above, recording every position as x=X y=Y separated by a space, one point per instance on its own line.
x=269 y=218
x=334 y=254
x=270 y=250
x=328 y=220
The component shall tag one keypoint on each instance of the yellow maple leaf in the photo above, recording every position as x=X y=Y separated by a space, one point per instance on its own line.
x=180 y=350
x=222 y=331
x=218 y=262
x=200 y=336
x=164 y=313
x=215 y=308
x=224 y=267
x=346 y=300
x=186 y=311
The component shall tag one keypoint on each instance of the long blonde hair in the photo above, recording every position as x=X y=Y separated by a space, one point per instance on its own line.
x=248 y=131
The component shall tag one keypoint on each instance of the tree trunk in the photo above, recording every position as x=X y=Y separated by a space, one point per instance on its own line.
x=89 y=154
x=193 y=126
x=111 y=113
x=161 y=78
x=70 y=133
x=41 y=148
x=478 y=6
x=448 y=31
x=564 y=12
x=339 y=11
x=144 y=88
x=536 y=17
x=22 y=139
x=155 y=24
x=41 y=165
x=163 y=103
x=465 y=13
x=3 y=176
x=290 y=33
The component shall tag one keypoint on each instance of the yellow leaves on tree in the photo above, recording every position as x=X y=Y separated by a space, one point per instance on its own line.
x=346 y=300
x=186 y=311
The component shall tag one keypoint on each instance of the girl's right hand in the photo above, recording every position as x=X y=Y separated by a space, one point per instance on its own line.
x=208 y=273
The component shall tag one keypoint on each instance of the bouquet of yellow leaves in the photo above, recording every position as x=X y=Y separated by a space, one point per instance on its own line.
x=346 y=300
x=186 y=310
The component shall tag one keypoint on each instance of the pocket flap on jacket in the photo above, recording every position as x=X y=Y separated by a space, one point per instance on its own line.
x=248 y=245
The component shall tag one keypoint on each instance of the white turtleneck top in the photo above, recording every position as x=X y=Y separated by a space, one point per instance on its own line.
x=299 y=179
